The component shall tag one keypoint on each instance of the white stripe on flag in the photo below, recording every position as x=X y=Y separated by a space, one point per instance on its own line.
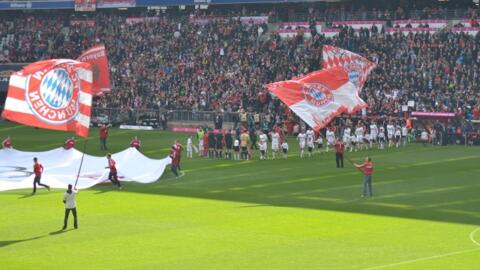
x=85 y=75
x=18 y=81
x=83 y=120
x=16 y=105
x=85 y=98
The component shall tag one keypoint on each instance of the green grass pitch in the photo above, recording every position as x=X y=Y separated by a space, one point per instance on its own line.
x=273 y=214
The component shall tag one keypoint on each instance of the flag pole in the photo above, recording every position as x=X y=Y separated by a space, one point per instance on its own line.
x=81 y=161
x=349 y=160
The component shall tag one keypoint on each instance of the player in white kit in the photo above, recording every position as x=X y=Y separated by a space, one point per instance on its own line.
x=262 y=144
x=390 y=134
x=310 y=141
x=347 y=135
x=301 y=142
x=404 y=134
x=285 y=149
x=398 y=136
x=319 y=142
x=381 y=138
x=275 y=142
x=359 y=131
x=373 y=134
x=189 y=147
x=330 y=138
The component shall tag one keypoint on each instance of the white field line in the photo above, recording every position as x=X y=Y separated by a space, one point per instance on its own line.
x=472 y=238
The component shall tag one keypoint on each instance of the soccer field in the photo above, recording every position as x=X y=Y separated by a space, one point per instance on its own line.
x=273 y=214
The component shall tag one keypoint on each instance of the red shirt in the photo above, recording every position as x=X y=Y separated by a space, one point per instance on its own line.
x=103 y=132
x=340 y=148
x=367 y=168
x=7 y=143
x=38 y=169
x=175 y=157
x=111 y=165
x=69 y=144
x=135 y=143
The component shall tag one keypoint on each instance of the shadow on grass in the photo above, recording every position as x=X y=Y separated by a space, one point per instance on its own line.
x=11 y=242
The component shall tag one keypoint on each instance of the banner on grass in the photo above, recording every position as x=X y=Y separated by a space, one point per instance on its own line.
x=61 y=168
x=51 y=94
x=97 y=57
x=320 y=96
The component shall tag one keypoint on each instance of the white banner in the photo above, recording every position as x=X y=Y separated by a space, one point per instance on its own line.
x=61 y=168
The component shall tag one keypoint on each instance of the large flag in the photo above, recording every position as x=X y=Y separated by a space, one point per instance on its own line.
x=358 y=67
x=51 y=94
x=320 y=96
x=97 y=57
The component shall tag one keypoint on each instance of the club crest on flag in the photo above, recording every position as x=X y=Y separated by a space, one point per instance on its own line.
x=317 y=94
x=52 y=94
x=354 y=73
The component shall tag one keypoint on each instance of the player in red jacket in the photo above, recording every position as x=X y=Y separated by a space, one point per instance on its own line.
x=7 y=143
x=38 y=170
x=69 y=143
x=103 y=133
x=367 y=169
x=175 y=160
x=136 y=143
x=112 y=176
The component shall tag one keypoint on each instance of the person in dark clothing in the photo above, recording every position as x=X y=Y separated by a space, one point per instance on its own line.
x=219 y=145
x=253 y=137
x=211 y=144
x=228 y=144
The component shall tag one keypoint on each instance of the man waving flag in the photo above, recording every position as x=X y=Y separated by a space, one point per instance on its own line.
x=320 y=96
x=51 y=94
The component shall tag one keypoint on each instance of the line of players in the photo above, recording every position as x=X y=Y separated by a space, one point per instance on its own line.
x=230 y=144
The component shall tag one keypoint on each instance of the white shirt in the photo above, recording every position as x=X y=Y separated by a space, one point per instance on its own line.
x=404 y=131
x=275 y=138
x=398 y=133
x=69 y=199
x=189 y=144
x=285 y=146
x=390 y=130
x=301 y=138
x=382 y=133
x=373 y=130
x=330 y=136
x=424 y=135
x=263 y=142
x=310 y=135
x=359 y=132
x=236 y=143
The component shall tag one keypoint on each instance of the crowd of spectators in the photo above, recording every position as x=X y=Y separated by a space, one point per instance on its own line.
x=169 y=62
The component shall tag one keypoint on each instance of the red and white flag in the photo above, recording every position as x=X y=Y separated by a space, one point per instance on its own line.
x=358 y=67
x=97 y=57
x=51 y=94
x=319 y=97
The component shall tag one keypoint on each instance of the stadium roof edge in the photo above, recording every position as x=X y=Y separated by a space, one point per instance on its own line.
x=70 y=4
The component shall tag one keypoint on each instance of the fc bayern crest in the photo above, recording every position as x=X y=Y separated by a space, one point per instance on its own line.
x=317 y=94
x=354 y=71
x=52 y=94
